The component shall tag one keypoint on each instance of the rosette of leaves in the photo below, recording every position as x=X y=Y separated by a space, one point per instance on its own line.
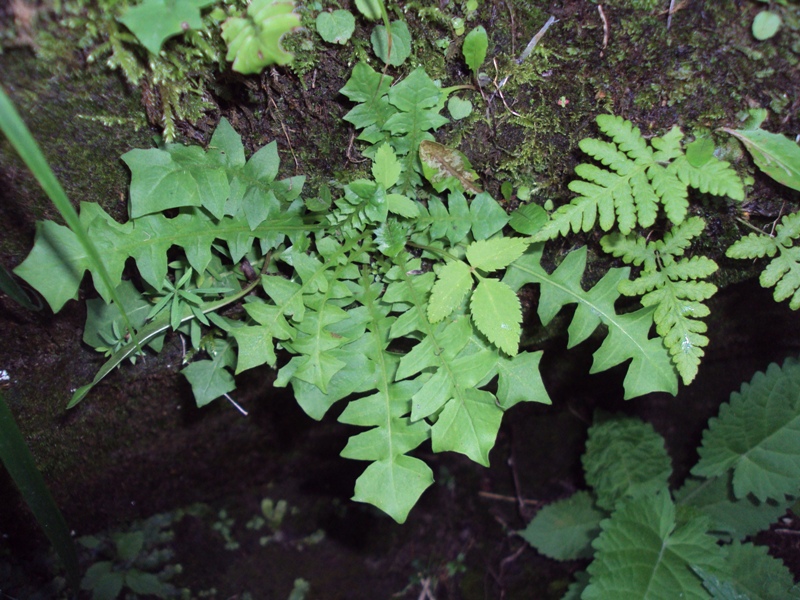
x=783 y=271
x=641 y=178
x=647 y=542
x=675 y=286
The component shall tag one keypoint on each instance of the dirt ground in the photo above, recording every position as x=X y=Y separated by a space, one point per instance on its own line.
x=138 y=446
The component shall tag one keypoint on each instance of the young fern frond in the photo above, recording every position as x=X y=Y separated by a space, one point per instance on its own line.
x=783 y=271
x=639 y=180
x=674 y=286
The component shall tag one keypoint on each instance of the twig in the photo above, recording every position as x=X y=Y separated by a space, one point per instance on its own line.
x=788 y=531
x=513 y=29
x=497 y=87
x=501 y=497
x=605 y=26
x=236 y=404
x=671 y=11
x=286 y=133
x=535 y=40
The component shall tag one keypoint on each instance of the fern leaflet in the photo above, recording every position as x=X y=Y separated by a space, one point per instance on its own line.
x=674 y=286
x=640 y=178
x=783 y=271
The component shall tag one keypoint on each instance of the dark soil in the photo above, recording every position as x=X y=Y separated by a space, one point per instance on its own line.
x=139 y=446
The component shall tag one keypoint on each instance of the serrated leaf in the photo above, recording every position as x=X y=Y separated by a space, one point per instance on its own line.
x=729 y=517
x=496 y=253
x=497 y=314
x=625 y=458
x=643 y=553
x=453 y=282
x=254 y=41
x=401 y=43
x=775 y=154
x=475 y=45
x=386 y=168
x=758 y=575
x=336 y=27
x=447 y=168
x=155 y=21
x=757 y=435
x=564 y=529
x=520 y=381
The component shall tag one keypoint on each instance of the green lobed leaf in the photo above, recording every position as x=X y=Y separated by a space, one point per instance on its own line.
x=458 y=108
x=775 y=154
x=520 y=381
x=644 y=553
x=528 y=219
x=386 y=168
x=155 y=21
x=487 y=216
x=628 y=337
x=497 y=314
x=757 y=435
x=564 y=529
x=254 y=41
x=624 y=458
x=211 y=378
x=475 y=46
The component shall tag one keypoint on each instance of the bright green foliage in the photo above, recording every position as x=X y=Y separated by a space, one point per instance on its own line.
x=336 y=27
x=766 y=24
x=783 y=271
x=402 y=115
x=495 y=308
x=642 y=466
x=756 y=436
x=672 y=284
x=775 y=154
x=475 y=46
x=650 y=370
x=640 y=179
x=154 y=21
x=254 y=41
x=651 y=546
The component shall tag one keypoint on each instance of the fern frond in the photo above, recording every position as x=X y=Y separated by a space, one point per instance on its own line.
x=638 y=181
x=783 y=271
x=674 y=287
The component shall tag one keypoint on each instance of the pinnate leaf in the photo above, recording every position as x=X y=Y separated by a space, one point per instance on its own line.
x=519 y=380
x=211 y=378
x=650 y=369
x=757 y=435
x=783 y=271
x=497 y=314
